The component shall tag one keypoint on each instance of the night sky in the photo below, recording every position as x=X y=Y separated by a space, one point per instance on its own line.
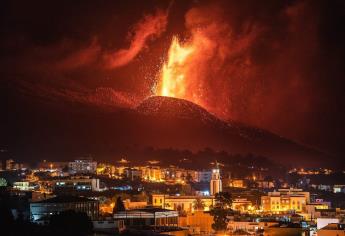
x=277 y=65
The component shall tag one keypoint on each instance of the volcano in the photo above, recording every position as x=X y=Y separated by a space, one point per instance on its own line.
x=183 y=124
x=41 y=128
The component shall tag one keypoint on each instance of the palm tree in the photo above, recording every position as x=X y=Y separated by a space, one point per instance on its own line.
x=119 y=206
x=199 y=204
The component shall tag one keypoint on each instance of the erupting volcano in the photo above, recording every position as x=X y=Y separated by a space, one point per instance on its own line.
x=235 y=77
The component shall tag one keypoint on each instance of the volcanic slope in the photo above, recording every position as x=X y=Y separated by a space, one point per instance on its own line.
x=180 y=123
x=41 y=128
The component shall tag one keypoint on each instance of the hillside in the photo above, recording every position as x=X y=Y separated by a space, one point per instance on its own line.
x=62 y=129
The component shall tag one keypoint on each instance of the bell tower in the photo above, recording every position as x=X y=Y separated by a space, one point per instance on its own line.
x=216 y=182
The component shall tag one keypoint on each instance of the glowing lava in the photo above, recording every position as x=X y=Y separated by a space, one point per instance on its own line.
x=172 y=82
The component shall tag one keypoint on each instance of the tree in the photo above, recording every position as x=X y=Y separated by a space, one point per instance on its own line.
x=199 y=204
x=221 y=210
x=180 y=211
x=119 y=206
x=189 y=178
x=3 y=182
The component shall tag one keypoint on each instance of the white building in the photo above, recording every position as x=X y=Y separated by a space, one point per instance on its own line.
x=183 y=203
x=204 y=176
x=41 y=211
x=25 y=186
x=108 y=226
x=90 y=184
x=82 y=166
x=323 y=222
x=285 y=200
x=333 y=229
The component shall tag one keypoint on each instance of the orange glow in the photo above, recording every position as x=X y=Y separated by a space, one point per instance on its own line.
x=173 y=77
x=188 y=64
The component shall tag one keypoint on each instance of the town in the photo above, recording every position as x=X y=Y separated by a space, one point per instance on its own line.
x=151 y=198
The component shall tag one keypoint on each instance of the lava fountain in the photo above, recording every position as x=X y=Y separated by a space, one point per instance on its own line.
x=173 y=75
x=192 y=69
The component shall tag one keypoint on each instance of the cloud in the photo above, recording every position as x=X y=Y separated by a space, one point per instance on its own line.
x=219 y=58
x=79 y=58
x=150 y=27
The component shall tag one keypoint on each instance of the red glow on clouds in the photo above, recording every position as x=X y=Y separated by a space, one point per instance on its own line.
x=261 y=64
x=201 y=68
x=149 y=27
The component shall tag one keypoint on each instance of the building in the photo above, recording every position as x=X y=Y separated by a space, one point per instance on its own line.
x=133 y=173
x=329 y=213
x=199 y=222
x=286 y=229
x=339 y=188
x=333 y=229
x=120 y=172
x=9 y=164
x=192 y=175
x=323 y=222
x=242 y=205
x=237 y=183
x=252 y=226
x=37 y=196
x=182 y=203
x=244 y=226
x=149 y=216
x=77 y=184
x=83 y=166
x=312 y=209
x=105 y=169
x=129 y=205
x=25 y=186
x=265 y=184
x=12 y=165
x=152 y=173
x=42 y=210
x=285 y=200
x=204 y=176
x=108 y=226
x=216 y=182
x=51 y=165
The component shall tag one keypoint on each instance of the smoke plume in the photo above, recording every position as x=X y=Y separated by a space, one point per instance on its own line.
x=150 y=27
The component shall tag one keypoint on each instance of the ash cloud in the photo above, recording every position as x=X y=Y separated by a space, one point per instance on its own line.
x=269 y=64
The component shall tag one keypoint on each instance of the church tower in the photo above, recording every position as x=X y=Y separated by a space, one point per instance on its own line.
x=216 y=182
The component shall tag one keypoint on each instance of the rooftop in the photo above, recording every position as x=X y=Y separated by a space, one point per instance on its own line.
x=150 y=210
x=334 y=226
x=66 y=199
x=184 y=196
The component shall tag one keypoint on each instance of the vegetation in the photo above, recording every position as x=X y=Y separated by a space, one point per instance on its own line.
x=221 y=210
x=119 y=206
x=199 y=204
x=3 y=182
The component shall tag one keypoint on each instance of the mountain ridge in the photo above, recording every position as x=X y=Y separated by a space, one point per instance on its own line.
x=60 y=128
